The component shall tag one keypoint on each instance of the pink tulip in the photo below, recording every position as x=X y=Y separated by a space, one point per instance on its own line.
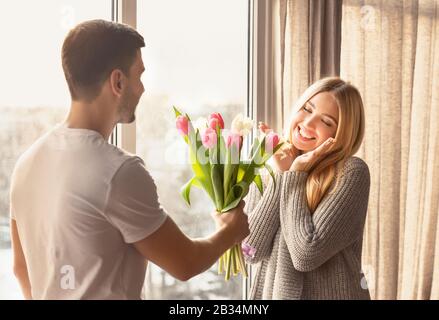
x=213 y=123
x=182 y=124
x=247 y=250
x=209 y=138
x=271 y=141
x=214 y=120
x=233 y=139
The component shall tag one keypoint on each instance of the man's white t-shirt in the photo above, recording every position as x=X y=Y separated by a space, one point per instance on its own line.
x=79 y=204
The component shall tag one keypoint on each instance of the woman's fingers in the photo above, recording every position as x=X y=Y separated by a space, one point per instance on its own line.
x=283 y=154
x=264 y=127
x=286 y=151
x=324 y=147
x=307 y=160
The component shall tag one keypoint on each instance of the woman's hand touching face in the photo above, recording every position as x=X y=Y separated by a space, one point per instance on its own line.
x=307 y=160
x=284 y=158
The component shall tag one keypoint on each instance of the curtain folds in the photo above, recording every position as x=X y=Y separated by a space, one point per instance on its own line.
x=390 y=50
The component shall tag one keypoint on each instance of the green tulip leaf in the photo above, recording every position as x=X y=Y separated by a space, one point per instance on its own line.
x=176 y=111
x=217 y=186
x=186 y=189
x=270 y=171
x=258 y=182
x=238 y=192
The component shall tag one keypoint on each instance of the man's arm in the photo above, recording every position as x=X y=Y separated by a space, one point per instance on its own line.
x=183 y=258
x=20 y=266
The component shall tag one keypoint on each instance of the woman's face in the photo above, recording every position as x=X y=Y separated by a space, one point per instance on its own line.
x=315 y=122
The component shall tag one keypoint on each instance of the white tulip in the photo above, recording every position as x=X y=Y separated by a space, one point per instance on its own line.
x=242 y=125
x=200 y=124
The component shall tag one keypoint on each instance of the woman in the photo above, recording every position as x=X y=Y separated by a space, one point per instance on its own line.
x=306 y=230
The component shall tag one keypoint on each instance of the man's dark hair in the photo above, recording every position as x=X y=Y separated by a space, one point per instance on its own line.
x=92 y=50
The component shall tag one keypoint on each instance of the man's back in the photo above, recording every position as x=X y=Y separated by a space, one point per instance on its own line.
x=79 y=203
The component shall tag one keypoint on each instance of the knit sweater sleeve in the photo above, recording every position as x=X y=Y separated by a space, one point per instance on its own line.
x=337 y=222
x=263 y=219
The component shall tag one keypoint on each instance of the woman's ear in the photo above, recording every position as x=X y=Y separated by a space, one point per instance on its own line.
x=116 y=82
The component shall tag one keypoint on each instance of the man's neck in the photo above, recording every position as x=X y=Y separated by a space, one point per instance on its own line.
x=91 y=116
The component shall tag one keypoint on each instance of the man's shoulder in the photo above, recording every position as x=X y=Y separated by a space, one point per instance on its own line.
x=123 y=159
x=32 y=150
x=117 y=152
x=124 y=164
x=131 y=176
x=96 y=156
x=130 y=166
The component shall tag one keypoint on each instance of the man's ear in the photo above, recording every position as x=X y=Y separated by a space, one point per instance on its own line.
x=116 y=82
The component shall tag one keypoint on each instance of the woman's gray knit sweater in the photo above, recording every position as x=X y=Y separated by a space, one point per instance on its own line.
x=300 y=255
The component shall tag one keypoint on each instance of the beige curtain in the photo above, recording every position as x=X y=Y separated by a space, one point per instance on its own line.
x=390 y=50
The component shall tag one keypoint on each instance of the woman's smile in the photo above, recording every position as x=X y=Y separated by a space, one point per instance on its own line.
x=303 y=137
x=305 y=133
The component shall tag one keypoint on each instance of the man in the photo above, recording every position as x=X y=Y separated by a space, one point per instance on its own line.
x=84 y=213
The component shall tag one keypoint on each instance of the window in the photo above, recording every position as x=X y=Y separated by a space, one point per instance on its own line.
x=34 y=95
x=196 y=59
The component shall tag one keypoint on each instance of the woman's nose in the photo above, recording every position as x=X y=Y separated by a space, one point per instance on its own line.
x=309 y=121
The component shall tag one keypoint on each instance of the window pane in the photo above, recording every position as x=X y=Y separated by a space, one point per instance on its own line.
x=196 y=59
x=34 y=95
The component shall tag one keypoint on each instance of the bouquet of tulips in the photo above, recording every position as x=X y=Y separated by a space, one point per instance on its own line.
x=215 y=157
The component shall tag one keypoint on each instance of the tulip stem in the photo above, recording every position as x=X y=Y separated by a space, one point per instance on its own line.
x=220 y=265
x=228 y=264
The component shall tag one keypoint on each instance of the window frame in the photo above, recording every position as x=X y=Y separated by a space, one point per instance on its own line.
x=261 y=73
x=124 y=135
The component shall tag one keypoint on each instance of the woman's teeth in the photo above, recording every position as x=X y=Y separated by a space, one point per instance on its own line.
x=304 y=136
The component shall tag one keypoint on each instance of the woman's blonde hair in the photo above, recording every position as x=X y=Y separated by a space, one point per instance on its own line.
x=348 y=138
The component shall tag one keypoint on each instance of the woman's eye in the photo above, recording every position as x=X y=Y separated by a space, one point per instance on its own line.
x=326 y=122
x=307 y=110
